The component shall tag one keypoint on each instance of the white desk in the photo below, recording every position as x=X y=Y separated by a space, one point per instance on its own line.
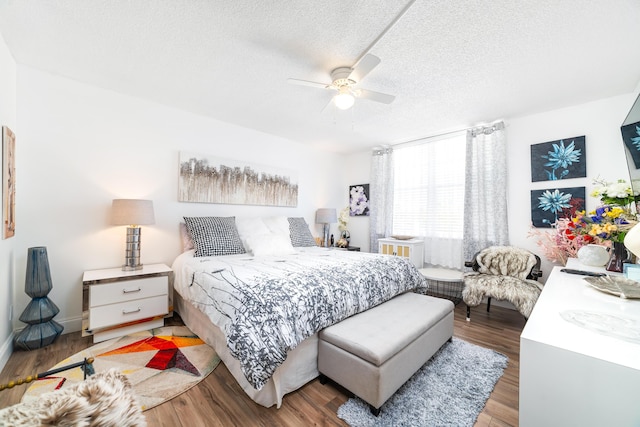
x=572 y=375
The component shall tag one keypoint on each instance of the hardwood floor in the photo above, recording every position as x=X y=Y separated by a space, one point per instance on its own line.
x=219 y=400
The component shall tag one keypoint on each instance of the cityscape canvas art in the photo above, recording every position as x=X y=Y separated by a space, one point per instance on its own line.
x=208 y=179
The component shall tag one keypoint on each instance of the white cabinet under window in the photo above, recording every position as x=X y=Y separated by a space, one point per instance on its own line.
x=412 y=249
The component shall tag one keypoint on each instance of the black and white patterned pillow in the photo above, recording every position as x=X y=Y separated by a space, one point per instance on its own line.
x=299 y=233
x=214 y=235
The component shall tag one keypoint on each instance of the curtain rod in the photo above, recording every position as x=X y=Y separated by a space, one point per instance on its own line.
x=478 y=129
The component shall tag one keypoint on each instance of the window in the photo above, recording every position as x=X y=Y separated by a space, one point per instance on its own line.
x=429 y=188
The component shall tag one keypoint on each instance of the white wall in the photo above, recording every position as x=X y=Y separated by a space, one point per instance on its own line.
x=599 y=121
x=80 y=146
x=358 y=171
x=7 y=276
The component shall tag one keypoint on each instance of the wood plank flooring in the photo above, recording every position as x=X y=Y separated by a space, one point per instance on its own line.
x=219 y=400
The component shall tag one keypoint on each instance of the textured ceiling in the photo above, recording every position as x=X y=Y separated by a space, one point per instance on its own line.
x=451 y=64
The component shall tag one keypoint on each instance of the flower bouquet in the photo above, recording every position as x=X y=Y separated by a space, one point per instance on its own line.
x=604 y=226
x=618 y=194
x=606 y=223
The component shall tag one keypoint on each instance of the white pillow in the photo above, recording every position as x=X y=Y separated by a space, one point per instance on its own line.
x=250 y=227
x=269 y=244
x=277 y=224
x=187 y=243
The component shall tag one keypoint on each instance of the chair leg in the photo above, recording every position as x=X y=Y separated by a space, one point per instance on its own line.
x=488 y=303
x=468 y=314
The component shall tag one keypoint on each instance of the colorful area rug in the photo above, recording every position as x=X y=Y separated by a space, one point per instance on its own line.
x=160 y=364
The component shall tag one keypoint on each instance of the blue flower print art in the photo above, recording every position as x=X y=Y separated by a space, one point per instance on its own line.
x=555 y=160
x=547 y=206
x=631 y=138
x=359 y=200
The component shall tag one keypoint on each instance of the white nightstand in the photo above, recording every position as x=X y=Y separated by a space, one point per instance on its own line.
x=116 y=302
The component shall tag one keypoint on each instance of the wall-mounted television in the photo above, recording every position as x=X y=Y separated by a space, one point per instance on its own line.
x=630 y=130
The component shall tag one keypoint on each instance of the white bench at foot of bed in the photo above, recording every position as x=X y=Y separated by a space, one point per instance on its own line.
x=373 y=353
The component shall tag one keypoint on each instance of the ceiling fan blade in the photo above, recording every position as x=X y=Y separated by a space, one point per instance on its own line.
x=375 y=96
x=308 y=83
x=363 y=67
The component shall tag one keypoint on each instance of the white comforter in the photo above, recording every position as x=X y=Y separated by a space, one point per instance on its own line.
x=267 y=305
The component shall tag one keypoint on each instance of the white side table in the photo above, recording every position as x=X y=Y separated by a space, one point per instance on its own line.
x=444 y=283
x=116 y=302
x=412 y=249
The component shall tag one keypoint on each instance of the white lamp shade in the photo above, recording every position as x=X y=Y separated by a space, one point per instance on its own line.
x=132 y=212
x=326 y=216
x=632 y=240
x=344 y=101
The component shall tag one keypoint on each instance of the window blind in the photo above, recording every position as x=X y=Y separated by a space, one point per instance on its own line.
x=429 y=188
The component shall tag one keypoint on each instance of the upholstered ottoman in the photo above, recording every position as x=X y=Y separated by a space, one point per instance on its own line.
x=373 y=353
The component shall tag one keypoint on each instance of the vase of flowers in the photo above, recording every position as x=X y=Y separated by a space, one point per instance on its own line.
x=619 y=255
x=594 y=255
x=606 y=225
x=343 y=220
x=618 y=193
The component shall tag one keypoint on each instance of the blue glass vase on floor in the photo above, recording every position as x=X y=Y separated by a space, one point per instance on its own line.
x=41 y=329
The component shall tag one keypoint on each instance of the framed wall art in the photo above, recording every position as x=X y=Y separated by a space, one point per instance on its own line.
x=547 y=206
x=631 y=138
x=8 y=183
x=359 y=200
x=562 y=159
x=208 y=179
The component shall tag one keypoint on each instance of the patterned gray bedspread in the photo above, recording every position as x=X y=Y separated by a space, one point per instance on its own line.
x=266 y=306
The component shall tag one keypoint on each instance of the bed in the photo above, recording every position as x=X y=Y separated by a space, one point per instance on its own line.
x=261 y=309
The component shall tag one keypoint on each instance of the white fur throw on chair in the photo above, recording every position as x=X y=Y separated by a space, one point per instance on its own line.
x=103 y=400
x=502 y=272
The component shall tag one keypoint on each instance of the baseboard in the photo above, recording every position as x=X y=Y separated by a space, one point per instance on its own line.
x=6 y=350
x=73 y=324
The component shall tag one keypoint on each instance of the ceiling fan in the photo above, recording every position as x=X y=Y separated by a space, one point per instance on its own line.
x=345 y=81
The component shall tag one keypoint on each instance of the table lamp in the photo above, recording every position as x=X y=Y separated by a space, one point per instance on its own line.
x=632 y=240
x=133 y=213
x=326 y=216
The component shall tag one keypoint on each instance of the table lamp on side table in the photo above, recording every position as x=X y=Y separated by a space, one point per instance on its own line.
x=632 y=240
x=134 y=213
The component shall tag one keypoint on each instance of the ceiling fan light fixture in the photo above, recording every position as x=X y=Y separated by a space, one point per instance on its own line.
x=344 y=100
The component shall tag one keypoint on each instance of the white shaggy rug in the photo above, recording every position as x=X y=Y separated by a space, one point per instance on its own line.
x=449 y=390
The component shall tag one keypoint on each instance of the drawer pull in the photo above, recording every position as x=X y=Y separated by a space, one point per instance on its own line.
x=131 y=311
x=130 y=291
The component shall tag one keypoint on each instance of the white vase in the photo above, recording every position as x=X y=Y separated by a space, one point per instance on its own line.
x=593 y=255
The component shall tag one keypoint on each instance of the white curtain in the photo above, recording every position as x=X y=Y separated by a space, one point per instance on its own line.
x=485 y=205
x=381 y=196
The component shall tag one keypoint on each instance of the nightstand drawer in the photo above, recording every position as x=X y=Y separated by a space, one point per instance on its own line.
x=127 y=290
x=123 y=312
